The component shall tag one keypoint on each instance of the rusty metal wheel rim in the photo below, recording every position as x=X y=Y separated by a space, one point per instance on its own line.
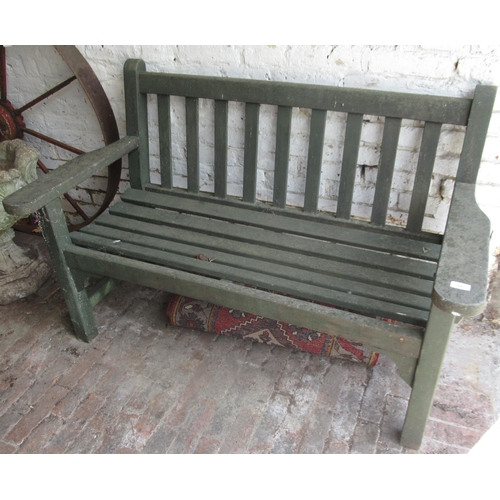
x=12 y=123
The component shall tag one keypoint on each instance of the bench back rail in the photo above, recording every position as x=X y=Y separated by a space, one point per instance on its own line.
x=434 y=111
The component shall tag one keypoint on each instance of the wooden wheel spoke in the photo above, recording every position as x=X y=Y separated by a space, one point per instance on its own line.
x=51 y=140
x=45 y=95
x=12 y=124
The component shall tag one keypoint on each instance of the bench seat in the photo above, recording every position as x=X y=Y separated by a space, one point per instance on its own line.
x=371 y=272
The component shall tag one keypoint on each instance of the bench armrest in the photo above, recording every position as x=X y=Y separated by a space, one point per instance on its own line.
x=461 y=284
x=37 y=194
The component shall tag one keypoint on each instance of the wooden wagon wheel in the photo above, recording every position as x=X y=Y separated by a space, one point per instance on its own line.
x=12 y=123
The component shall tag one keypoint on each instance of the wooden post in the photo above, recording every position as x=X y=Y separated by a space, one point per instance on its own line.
x=72 y=282
x=426 y=378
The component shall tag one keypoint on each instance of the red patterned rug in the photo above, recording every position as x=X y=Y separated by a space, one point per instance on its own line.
x=200 y=315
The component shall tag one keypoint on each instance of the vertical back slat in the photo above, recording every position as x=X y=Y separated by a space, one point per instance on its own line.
x=427 y=156
x=475 y=137
x=386 y=169
x=252 y=113
x=192 y=144
x=349 y=164
x=283 y=130
x=220 y=143
x=165 y=140
x=137 y=123
x=314 y=159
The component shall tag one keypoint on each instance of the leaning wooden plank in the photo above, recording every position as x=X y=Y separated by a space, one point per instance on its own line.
x=383 y=336
x=462 y=276
x=35 y=195
x=372 y=102
x=359 y=286
x=338 y=234
x=289 y=253
x=275 y=240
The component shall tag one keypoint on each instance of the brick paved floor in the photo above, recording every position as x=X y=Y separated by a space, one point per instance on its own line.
x=144 y=387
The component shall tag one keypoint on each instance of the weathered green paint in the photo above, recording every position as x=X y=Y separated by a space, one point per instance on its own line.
x=388 y=152
x=252 y=112
x=193 y=144
x=71 y=281
x=49 y=187
x=283 y=129
x=426 y=377
x=314 y=159
x=423 y=176
x=165 y=141
x=349 y=163
x=290 y=256
x=137 y=123
x=220 y=160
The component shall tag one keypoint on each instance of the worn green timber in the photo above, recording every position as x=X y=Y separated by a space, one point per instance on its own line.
x=370 y=102
x=35 y=195
x=385 y=337
x=71 y=281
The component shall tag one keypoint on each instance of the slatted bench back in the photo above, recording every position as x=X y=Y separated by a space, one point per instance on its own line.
x=434 y=111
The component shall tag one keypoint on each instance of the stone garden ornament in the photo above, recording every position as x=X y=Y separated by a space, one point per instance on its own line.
x=22 y=270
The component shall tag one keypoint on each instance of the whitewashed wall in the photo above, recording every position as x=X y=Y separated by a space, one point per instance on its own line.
x=444 y=70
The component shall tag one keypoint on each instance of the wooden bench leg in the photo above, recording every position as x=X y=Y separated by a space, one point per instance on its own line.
x=426 y=378
x=72 y=282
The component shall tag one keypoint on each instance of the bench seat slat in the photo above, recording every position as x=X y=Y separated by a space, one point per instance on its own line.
x=285 y=255
x=298 y=214
x=273 y=240
x=338 y=234
x=259 y=278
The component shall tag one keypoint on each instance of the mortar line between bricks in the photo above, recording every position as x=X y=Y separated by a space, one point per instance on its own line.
x=45 y=369
x=259 y=420
x=450 y=444
x=454 y=424
x=369 y=375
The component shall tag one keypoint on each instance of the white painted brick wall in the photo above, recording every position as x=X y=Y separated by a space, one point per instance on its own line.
x=445 y=70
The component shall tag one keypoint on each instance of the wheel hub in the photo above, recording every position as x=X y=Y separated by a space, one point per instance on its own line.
x=11 y=123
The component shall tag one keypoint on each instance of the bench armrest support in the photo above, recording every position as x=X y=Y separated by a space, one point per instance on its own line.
x=462 y=276
x=39 y=193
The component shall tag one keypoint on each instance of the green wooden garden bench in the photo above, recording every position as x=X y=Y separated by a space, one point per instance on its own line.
x=285 y=263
